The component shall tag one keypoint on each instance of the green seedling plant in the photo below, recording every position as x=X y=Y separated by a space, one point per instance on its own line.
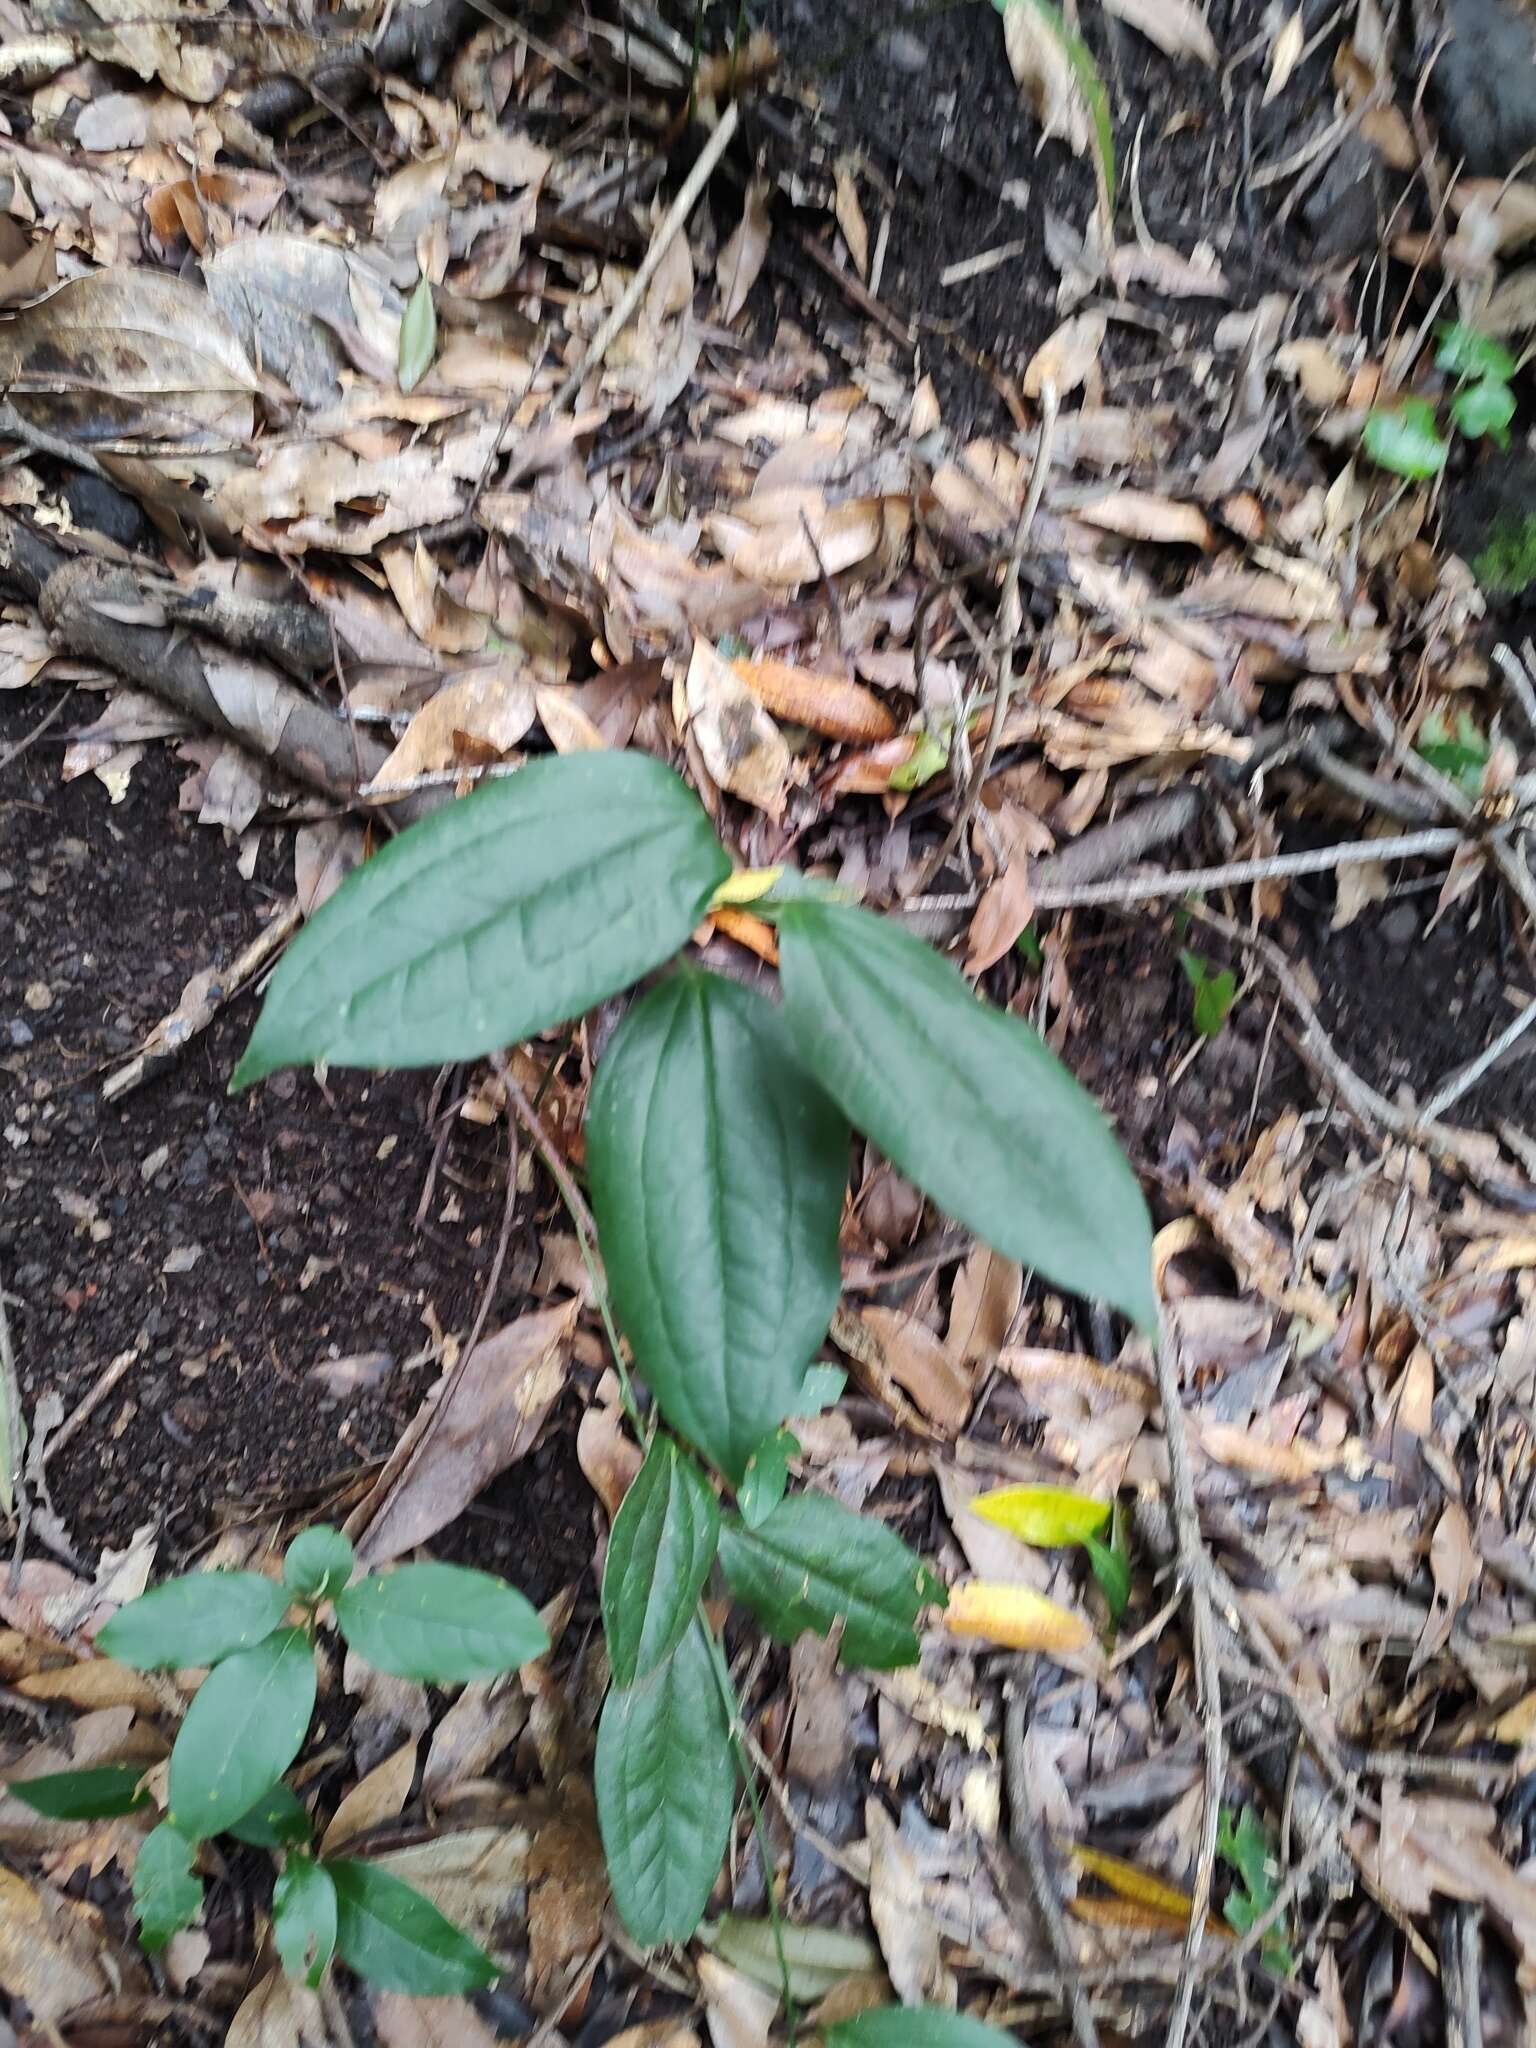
x=1460 y=751
x=1213 y=991
x=1408 y=438
x=438 y=1624
x=1244 y=1844
x=717 y=1152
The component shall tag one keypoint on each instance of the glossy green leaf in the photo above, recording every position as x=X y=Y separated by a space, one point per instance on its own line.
x=665 y=1775
x=1112 y=1568
x=822 y=1386
x=766 y=1479
x=1405 y=439
x=717 y=1171
x=195 y=1620
x=814 y=1562
x=101 y=1792
x=304 y=1918
x=278 y=1820
x=166 y=1894
x=1484 y=408
x=967 y=1101
x=440 y=1624
x=1463 y=352
x=395 y=1938
x=318 y=1564
x=1215 y=991
x=418 y=336
x=1044 y=1516
x=494 y=918
x=913 y=2026
x=241 y=1732
x=663 y=1543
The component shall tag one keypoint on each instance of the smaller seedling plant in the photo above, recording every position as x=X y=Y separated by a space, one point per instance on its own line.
x=1408 y=438
x=717 y=1149
x=439 y=1624
x=1245 y=1845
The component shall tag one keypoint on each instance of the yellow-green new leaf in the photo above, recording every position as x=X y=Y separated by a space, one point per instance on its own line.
x=1044 y=1516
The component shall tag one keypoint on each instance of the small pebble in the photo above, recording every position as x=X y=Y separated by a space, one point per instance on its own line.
x=38 y=996
x=18 y=1033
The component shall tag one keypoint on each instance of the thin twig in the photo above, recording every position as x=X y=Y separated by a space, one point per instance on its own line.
x=15 y=752
x=661 y=242
x=1459 y=1084
x=13 y=1437
x=1436 y=839
x=1027 y=1840
x=1195 y=1569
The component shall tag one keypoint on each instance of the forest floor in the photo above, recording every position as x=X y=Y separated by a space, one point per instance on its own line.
x=911 y=387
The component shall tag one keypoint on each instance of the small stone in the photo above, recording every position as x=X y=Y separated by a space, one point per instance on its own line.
x=38 y=996
x=1400 y=927
x=18 y=1033
x=182 y=1259
x=154 y=1162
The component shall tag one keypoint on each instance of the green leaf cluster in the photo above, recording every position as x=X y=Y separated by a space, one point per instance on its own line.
x=1406 y=438
x=717 y=1155
x=436 y=1623
x=1244 y=1844
x=1215 y=991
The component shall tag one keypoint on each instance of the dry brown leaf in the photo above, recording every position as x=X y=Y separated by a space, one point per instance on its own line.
x=493 y=709
x=98 y=1682
x=377 y=1798
x=785 y=538
x=1428 y=1846
x=133 y=358
x=323 y=856
x=487 y=1718
x=278 y=2013
x=1044 y=72
x=1285 y=54
x=985 y=1299
x=1163 y=269
x=1177 y=27
x=567 y=1890
x=436 y=619
x=850 y=215
x=403 y=2022
x=909 y=1940
x=1068 y=357
x=1456 y=1568
x=742 y=258
x=566 y=721
x=913 y=1357
x=55 y=1953
x=830 y=705
x=1143 y=515
x=743 y=749
x=487 y=1412
x=738 y=2012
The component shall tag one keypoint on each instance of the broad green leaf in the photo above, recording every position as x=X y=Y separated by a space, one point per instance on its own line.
x=395 y=1938
x=717 y=1172
x=813 y=1562
x=166 y=1895
x=195 y=1620
x=241 y=1732
x=766 y=1478
x=1405 y=439
x=418 y=336
x=440 y=1623
x=102 y=1792
x=913 y=2026
x=1042 y=1515
x=664 y=1539
x=818 y=1957
x=665 y=1774
x=304 y=1918
x=495 y=918
x=822 y=1386
x=1463 y=352
x=929 y=757
x=278 y=1820
x=1461 y=753
x=1486 y=407
x=1215 y=992
x=318 y=1564
x=967 y=1101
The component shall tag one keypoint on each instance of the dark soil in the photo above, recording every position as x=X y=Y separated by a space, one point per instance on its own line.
x=109 y=910
x=925 y=98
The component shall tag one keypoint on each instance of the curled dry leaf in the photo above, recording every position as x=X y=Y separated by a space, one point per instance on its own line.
x=830 y=705
x=1143 y=515
x=739 y=2013
x=742 y=258
x=482 y=716
x=742 y=747
x=1067 y=357
x=1178 y=27
x=784 y=538
x=376 y=1798
x=279 y=2013
x=55 y=1953
x=909 y=1940
x=404 y=2022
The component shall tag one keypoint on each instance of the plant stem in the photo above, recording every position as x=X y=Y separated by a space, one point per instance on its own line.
x=732 y=1702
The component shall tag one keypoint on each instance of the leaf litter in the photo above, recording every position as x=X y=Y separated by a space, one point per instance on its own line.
x=780 y=562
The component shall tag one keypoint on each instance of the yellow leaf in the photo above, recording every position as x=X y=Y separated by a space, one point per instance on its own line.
x=1130 y=1881
x=747 y=885
x=1044 y=1516
x=1015 y=1618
